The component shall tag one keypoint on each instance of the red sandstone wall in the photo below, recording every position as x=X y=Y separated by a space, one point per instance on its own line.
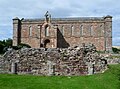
x=100 y=34
x=96 y=37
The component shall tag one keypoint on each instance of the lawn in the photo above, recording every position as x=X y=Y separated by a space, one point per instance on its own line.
x=108 y=80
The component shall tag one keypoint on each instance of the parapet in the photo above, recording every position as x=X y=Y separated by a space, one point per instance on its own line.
x=16 y=20
x=108 y=18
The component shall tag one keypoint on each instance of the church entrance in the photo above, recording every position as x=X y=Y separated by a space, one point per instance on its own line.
x=47 y=43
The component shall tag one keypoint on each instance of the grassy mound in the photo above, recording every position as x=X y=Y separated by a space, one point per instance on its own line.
x=108 y=80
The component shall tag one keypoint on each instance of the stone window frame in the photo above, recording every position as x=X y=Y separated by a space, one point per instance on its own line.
x=72 y=30
x=38 y=27
x=91 y=30
x=38 y=30
x=81 y=30
x=63 y=30
x=30 y=30
x=100 y=30
x=47 y=28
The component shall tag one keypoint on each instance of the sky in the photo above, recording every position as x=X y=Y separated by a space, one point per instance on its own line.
x=10 y=9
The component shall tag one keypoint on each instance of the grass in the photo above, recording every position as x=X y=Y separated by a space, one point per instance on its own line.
x=113 y=57
x=108 y=80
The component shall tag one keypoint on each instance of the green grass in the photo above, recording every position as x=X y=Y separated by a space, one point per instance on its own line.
x=113 y=57
x=108 y=80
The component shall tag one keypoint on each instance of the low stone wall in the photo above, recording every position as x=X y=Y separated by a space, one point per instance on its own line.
x=1 y=64
x=3 y=67
x=111 y=58
x=66 y=61
x=113 y=61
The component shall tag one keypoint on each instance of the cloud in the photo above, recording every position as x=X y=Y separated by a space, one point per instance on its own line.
x=58 y=8
x=5 y=32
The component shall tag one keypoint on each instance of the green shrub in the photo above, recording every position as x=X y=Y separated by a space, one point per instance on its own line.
x=100 y=51
x=115 y=50
x=4 y=45
x=15 y=47
x=21 y=45
x=1 y=48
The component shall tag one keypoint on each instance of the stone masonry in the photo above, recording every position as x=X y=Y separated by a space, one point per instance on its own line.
x=83 y=60
x=64 y=32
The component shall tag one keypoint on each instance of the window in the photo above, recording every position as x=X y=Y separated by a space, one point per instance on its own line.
x=72 y=30
x=38 y=27
x=63 y=30
x=47 y=31
x=91 y=30
x=37 y=32
x=101 y=31
x=30 y=31
x=81 y=30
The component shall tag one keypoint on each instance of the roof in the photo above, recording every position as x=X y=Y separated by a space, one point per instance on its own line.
x=69 y=19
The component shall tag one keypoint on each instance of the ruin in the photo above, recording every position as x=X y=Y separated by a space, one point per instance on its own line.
x=82 y=60
x=60 y=46
x=64 y=32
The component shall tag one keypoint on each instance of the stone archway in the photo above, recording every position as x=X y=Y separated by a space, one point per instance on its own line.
x=46 y=43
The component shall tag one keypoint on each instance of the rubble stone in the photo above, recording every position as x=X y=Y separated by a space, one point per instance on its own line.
x=54 y=61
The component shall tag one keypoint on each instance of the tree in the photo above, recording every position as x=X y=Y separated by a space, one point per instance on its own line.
x=5 y=44
x=8 y=42
x=115 y=50
x=1 y=47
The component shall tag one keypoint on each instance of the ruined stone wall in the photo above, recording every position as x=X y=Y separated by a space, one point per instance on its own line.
x=69 y=32
x=38 y=33
x=55 y=61
x=95 y=35
x=112 y=58
x=4 y=65
x=34 y=39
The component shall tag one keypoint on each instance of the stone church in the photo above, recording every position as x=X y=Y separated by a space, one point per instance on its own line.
x=64 y=32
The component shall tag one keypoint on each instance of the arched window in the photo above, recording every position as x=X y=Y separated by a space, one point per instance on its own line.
x=38 y=27
x=30 y=31
x=47 y=31
x=72 y=30
x=91 y=30
x=63 y=30
x=100 y=31
x=81 y=30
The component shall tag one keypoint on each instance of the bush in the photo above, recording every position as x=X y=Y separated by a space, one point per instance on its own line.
x=21 y=45
x=116 y=50
x=15 y=47
x=4 y=45
x=101 y=52
x=1 y=48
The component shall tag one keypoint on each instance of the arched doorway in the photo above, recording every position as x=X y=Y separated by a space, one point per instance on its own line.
x=46 y=43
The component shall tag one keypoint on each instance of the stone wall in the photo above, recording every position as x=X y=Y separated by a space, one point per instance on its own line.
x=112 y=58
x=1 y=64
x=69 y=32
x=82 y=60
x=4 y=65
x=113 y=61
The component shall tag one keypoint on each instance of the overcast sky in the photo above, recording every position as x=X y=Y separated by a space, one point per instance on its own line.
x=58 y=8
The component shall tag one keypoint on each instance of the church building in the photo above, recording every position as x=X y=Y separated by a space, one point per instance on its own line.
x=64 y=32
